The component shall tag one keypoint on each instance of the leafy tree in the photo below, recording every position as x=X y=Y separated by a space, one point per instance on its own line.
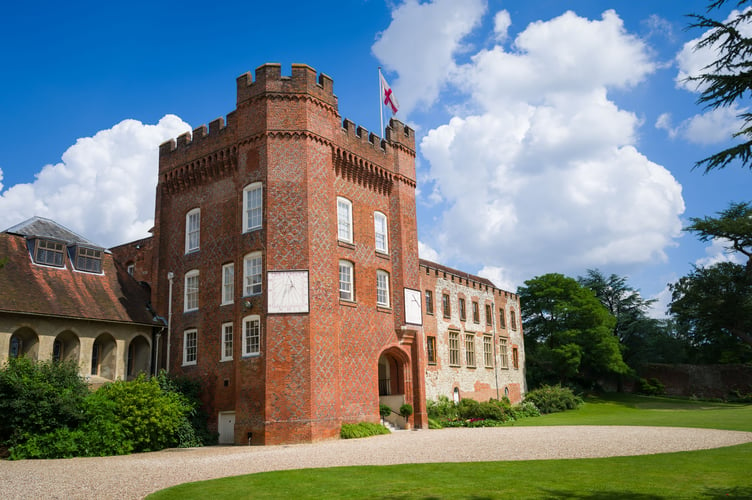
x=714 y=306
x=733 y=225
x=715 y=302
x=728 y=79
x=568 y=333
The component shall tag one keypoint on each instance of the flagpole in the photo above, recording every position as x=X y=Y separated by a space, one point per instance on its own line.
x=381 y=108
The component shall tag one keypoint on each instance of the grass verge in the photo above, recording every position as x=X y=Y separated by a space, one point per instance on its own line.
x=719 y=473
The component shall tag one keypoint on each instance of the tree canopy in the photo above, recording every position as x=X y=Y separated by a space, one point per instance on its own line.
x=568 y=333
x=728 y=79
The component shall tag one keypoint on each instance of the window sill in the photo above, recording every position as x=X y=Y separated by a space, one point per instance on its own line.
x=384 y=309
x=250 y=356
x=382 y=255
x=224 y=360
x=346 y=244
x=193 y=363
x=348 y=303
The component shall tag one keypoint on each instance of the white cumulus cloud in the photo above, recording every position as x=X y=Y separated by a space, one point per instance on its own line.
x=103 y=188
x=420 y=43
x=539 y=170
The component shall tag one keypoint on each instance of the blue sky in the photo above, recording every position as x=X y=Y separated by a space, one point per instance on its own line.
x=553 y=136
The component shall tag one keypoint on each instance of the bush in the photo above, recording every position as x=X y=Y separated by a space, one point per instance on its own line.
x=194 y=430
x=406 y=410
x=552 y=399
x=443 y=407
x=150 y=418
x=384 y=410
x=361 y=430
x=39 y=398
x=650 y=387
x=525 y=409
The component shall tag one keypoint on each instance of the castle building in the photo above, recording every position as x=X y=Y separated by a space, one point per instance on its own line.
x=284 y=261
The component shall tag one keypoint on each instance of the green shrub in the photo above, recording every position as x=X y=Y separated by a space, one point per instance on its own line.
x=406 y=410
x=150 y=417
x=384 y=410
x=434 y=423
x=37 y=398
x=469 y=409
x=361 y=430
x=552 y=399
x=525 y=409
x=194 y=431
x=443 y=407
x=650 y=387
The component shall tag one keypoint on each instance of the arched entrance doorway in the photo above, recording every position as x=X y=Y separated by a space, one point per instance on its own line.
x=394 y=382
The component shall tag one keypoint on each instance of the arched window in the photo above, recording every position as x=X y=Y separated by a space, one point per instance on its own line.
x=346 y=281
x=192 y=230
x=380 y=232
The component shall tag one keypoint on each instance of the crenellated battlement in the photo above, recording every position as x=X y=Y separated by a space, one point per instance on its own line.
x=269 y=79
x=198 y=136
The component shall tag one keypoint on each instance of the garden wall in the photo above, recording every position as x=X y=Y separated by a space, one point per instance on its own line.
x=703 y=381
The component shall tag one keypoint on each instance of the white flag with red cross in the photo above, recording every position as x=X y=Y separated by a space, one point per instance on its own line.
x=387 y=95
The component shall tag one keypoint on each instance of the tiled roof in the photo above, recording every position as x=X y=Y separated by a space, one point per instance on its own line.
x=46 y=228
x=461 y=274
x=29 y=288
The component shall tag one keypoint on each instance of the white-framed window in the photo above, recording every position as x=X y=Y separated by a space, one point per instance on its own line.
x=454 y=348
x=488 y=351
x=190 y=299
x=190 y=346
x=382 y=288
x=504 y=352
x=89 y=260
x=252 y=274
x=226 y=342
x=228 y=283
x=253 y=207
x=344 y=220
x=49 y=253
x=470 y=350
x=192 y=230
x=251 y=335
x=131 y=268
x=346 y=280
x=380 y=231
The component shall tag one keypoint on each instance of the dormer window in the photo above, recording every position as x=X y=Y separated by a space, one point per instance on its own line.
x=49 y=253
x=89 y=260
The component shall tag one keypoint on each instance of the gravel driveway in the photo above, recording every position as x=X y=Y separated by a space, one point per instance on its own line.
x=134 y=476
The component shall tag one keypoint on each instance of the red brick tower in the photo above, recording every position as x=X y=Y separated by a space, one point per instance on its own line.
x=291 y=237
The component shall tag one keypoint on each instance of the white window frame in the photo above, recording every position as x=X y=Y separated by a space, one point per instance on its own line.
x=193 y=230
x=381 y=238
x=190 y=292
x=190 y=347
x=252 y=335
x=252 y=274
x=253 y=207
x=346 y=281
x=228 y=283
x=226 y=340
x=344 y=220
x=382 y=288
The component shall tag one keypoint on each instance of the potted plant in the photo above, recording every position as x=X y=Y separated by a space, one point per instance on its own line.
x=384 y=411
x=405 y=411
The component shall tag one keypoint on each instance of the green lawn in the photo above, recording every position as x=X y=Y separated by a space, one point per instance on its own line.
x=720 y=473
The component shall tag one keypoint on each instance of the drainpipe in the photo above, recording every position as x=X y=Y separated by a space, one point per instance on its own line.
x=170 y=277
x=495 y=340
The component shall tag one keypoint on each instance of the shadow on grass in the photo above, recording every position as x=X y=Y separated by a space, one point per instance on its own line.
x=711 y=493
x=641 y=402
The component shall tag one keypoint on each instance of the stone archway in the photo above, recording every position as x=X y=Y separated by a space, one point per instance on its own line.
x=66 y=347
x=139 y=357
x=103 y=357
x=24 y=342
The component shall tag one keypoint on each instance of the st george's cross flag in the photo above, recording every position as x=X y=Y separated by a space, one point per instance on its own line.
x=387 y=95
